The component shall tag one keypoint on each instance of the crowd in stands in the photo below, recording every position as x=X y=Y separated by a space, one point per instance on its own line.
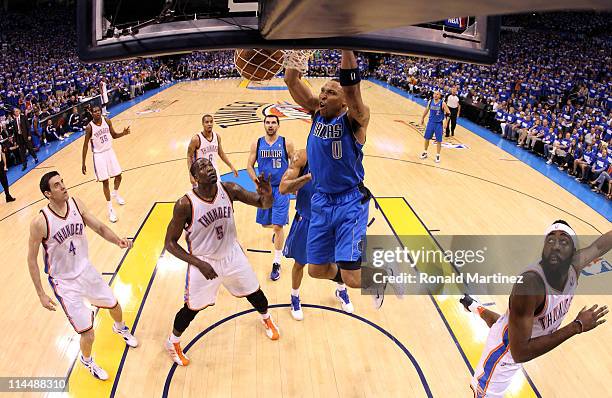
x=41 y=75
x=587 y=22
x=206 y=65
x=550 y=92
x=325 y=63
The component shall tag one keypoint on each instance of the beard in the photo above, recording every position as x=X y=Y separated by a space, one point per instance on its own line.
x=562 y=265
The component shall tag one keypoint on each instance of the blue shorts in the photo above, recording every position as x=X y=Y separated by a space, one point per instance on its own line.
x=278 y=214
x=434 y=128
x=295 y=244
x=338 y=225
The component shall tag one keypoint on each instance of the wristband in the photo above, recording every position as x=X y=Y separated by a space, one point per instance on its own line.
x=349 y=77
x=581 y=325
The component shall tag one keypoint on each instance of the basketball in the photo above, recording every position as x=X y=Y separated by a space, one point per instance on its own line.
x=259 y=64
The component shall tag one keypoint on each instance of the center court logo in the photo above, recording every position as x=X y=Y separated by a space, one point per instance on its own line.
x=247 y=112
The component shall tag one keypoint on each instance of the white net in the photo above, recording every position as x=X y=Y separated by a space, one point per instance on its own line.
x=296 y=59
x=260 y=65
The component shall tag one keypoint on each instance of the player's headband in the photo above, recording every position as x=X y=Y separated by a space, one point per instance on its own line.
x=565 y=229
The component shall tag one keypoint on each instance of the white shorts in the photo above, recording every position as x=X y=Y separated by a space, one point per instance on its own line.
x=71 y=294
x=234 y=272
x=106 y=165
x=496 y=368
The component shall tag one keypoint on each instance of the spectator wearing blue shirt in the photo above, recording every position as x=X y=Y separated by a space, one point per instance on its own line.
x=600 y=163
x=581 y=166
x=554 y=142
x=530 y=128
x=605 y=176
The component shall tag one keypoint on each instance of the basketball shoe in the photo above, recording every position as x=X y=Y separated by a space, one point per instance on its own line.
x=93 y=368
x=345 y=301
x=176 y=353
x=127 y=336
x=271 y=329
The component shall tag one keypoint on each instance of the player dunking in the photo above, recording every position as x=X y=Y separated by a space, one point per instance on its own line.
x=272 y=153
x=339 y=205
x=298 y=178
x=60 y=229
x=207 y=144
x=536 y=308
x=100 y=133
x=436 y=124
x=206 y=214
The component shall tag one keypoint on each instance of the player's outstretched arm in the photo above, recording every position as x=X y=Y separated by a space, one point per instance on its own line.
x=597 y=249
x=290 y=182
x=251 y=162
x=85 y=147
x=114 y=134
x=262 y=198
x=523 y=303
x=224 y=157
x=98 y=227
x=351 y=86
x=38 y=231
x=299 y=91
x=181 y=217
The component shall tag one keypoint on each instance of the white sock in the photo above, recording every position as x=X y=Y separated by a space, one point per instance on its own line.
x=120 y=325
x=265 y=316
x=114 y=194
x=174 y=339
x=295 y=292
x=341 y=286
x=277 y=256
x=86 y=359
x=110 y=205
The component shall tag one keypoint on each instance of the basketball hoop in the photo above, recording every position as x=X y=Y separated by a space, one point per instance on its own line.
x=259 y=65
x=296 y=59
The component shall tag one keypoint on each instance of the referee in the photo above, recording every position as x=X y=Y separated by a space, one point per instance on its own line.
x=452 y=101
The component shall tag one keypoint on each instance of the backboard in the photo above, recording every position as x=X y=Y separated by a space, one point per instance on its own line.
x=120 y=29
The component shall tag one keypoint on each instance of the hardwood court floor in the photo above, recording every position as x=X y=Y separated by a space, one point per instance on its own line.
x=416 y=347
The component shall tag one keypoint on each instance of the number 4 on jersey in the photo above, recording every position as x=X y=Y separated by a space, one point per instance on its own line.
x=72 y=249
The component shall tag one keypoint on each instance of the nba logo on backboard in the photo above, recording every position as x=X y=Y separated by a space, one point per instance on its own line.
x=456 y=22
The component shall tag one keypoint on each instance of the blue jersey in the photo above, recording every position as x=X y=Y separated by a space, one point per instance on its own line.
x=334 y=155
x=304 y=195
x=436 y=113
x=272 y=159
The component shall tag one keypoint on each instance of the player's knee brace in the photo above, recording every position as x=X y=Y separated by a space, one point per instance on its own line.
x=259 y=301
x=338 y=277
x=183 y=318
x=350 y=265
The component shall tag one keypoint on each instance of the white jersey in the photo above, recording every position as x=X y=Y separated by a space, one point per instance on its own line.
x=212 y=232
x=555 y=306
x=496 y=368
x=208 y=149
x=101 y=138
x=66 y=253
x=103 y=92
